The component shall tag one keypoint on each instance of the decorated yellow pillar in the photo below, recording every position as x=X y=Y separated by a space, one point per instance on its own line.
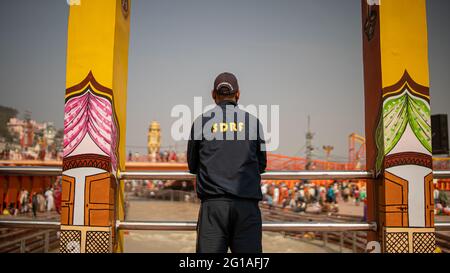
x=94 y=125
x=398 y=124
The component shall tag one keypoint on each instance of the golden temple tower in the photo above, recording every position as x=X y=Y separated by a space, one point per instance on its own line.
x=154 y=140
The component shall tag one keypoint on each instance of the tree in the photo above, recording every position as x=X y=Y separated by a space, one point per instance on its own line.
x=6 y=113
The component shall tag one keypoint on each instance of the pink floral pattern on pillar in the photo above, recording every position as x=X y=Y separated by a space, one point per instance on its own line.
x=90 y=114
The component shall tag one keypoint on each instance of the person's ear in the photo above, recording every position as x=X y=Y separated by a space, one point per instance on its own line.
x=238 y=94
x=214 y=95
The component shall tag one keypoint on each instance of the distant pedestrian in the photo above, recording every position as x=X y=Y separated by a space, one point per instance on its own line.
x=357 y=196
x=436 y=195
x=41 y=201
x=57 y=195
x=34 y=204
x=443 y=199
x=276 y=195
x=49 y=199
x=346 y=193
x=330 y=195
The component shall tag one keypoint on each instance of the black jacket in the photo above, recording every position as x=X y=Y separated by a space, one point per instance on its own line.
x=226 y=151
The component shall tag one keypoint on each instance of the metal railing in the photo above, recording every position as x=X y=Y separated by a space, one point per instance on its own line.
x=30 y=224
x=441 y=174
x=40 y=241
x=192 y=225
x=324 y=228
x=272 y=175
x=30 y=171
x=441 y=226
x=266 y=226
x=174 y=175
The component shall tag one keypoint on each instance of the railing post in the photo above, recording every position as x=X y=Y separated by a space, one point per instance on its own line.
x=94 y=126
x=22 y=246
x=341 y=241
x=46 y=241
x=398 y=125
x=354 y=242
x=325 y=239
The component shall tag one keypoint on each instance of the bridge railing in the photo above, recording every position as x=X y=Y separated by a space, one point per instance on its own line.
x=192 y=225
x=175 y=175
x=40 y=241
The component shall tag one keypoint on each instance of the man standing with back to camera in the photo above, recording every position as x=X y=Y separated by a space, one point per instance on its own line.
x=226 y=151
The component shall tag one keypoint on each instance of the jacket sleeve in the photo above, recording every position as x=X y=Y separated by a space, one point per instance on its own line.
x=193 y=151
x=261 y=149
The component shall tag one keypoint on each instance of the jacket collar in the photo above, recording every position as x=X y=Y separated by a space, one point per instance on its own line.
x=227 y=102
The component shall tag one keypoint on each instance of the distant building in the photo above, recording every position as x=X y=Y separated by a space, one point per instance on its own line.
x=24 y=130
x=32 y=137
x=49 y=132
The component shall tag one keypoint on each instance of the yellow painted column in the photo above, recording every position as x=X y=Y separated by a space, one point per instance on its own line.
x=398 y=124
x=94 y=125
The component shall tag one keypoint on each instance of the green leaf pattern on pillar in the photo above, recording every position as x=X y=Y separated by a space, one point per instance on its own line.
x=379 y=142
x=398 y=112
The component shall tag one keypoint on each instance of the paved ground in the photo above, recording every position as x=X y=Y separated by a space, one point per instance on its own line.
x=349 y=208
x=184 y=242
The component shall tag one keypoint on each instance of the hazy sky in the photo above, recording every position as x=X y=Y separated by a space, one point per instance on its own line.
x=305 y=56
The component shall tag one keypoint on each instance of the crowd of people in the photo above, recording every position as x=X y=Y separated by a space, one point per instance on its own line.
x=30 y=154
x=302 y=197
x=309 y=197
x=441 y=204
x=37 y=201
x=144 y=188
x=171 y=156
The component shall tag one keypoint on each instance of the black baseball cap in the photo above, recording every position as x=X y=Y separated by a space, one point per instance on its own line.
x=226 y=84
